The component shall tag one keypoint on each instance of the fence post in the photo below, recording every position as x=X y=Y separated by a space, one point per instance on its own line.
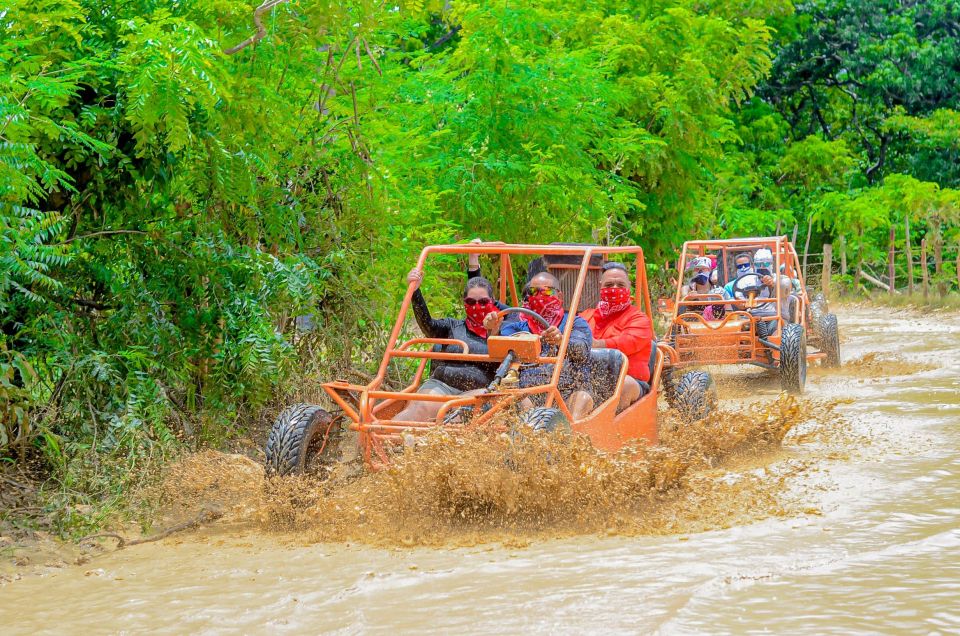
x=827 y=266
x=923 y=267
x=909 y=251
x=843 y=256
x=891 y=272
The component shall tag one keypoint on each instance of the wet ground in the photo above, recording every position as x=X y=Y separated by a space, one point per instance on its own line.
x=853 y=526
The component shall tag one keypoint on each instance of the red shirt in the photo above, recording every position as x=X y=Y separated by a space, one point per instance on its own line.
x=631 y=332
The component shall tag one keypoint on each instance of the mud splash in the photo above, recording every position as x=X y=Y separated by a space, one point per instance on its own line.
x=879 y=365
x=487 y=488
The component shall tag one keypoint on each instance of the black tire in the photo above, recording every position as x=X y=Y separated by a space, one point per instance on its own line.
x=297 y=437
x=816 y=311
x=830 y=340
x=793 y=359
x=545 y=420
x=669 y=387
x=695 y=395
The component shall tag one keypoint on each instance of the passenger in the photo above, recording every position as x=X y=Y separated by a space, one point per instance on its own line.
x=700 y=277
x=617 y=324
x=453 y=377
x=794 y=282
x=542 y=295
x=763 y=262
x=700 y=283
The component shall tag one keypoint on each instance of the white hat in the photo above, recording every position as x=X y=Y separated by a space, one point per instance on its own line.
x=763 y=254
x=700 y=261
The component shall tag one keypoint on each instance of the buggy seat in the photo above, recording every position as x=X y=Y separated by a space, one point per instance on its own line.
x=605 y=366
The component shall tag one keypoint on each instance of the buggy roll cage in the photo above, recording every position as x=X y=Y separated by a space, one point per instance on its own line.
x=371 y=408
x=728 y=250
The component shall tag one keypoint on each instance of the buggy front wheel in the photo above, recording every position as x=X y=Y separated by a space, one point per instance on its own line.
x=302 y=435
x=793 y=358
x=695 y=395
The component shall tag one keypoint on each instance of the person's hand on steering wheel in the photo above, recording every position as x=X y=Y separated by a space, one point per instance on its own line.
x=492 y=323
x=767 y=280
x=746 y=284
x=551 y=335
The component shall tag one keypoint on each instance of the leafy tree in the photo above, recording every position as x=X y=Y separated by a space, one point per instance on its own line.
x=849 y=67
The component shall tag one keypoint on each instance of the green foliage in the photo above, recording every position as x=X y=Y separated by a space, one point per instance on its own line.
x=855 y=69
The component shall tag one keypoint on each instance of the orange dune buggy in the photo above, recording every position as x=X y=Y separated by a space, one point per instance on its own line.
x=749 y=322
x=305 y=433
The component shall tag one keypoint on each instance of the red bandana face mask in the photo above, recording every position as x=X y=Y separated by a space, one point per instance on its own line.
x=613 y=300
x=475 y=315
x=549 y=307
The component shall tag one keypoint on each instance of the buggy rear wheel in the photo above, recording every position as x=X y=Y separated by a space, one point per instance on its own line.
x=830 y=340
x=545 y=420
x=668 y=386
x=695 y=395
x=817 y=309
x=793 y=358
x=304 y=434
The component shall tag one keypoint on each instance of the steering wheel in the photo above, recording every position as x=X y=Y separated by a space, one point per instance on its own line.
x=527 y=312
x=747 y=284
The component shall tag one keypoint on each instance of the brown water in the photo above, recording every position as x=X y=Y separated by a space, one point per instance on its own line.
x=853 y=526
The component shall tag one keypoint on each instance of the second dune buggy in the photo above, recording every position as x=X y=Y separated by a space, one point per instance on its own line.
x=774 y=326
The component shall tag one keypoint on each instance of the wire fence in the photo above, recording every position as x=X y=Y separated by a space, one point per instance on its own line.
x=908 y=274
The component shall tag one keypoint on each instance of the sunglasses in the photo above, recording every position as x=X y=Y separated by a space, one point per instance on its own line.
x=483 y=302
x=543 y=291
x=743 y=266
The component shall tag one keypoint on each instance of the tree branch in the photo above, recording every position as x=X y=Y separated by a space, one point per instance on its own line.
x=102 y=233
x=261 y=30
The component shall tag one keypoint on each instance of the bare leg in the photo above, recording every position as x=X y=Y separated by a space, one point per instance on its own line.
x=580 y=403
x=420 y=411
x=427 y=411
x=630 y=394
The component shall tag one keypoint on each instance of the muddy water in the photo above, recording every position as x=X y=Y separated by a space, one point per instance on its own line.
x=853 y=526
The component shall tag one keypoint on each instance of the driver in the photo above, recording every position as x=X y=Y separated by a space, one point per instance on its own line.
x=746 y=268
x=453 y=377
x=542 y=295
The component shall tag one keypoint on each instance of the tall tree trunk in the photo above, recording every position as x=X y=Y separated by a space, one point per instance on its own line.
x=843 y=255
x=806 y=245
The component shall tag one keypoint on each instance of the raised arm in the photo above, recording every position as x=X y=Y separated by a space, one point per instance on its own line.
x=430 y=327
x=473 y=270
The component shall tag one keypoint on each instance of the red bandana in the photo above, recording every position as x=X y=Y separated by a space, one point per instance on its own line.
x=613 y=300
x=547 y=306
x=476 y=314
